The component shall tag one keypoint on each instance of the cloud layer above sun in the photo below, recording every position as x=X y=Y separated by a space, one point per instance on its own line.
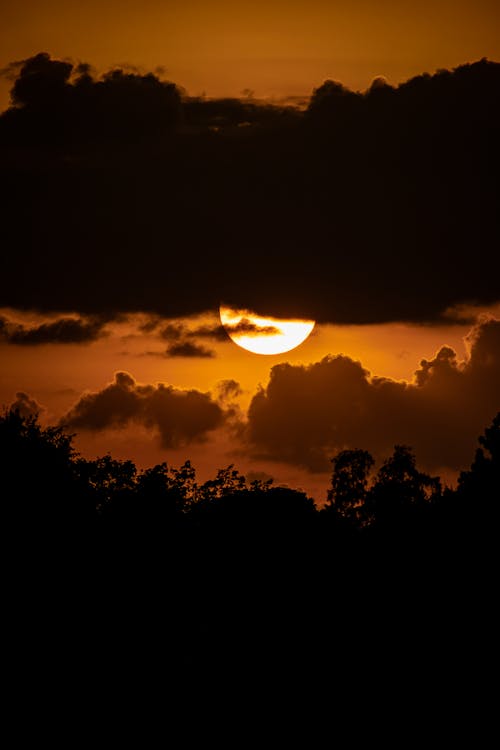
x=125 y=193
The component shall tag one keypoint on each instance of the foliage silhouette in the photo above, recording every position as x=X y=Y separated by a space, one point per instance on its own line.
x=40 y=485
x=348 y=493
x=483 y=478
x=225 y=576
x=44 y=479
x=478 y=492
x=401 y=493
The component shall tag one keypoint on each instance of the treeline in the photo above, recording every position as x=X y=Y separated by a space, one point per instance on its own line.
x=227 y=579
x=44 y=478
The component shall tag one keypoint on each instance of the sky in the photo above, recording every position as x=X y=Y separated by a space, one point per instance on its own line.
x=273 y=47
x=139 y=203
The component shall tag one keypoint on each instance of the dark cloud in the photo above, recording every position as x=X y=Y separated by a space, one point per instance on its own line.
x=150 y=324
x=247 y=328
x=308 y=413
x=189 y=349
x=176 y=331
x=364 y=208
x=228 y=390
x=67 y=105
x=173 y=331
x=215 y=332
x=61 y=331
x=379 y=82
x=26 y=405
x=181 y=417
x=11 y=71
x=185 y=339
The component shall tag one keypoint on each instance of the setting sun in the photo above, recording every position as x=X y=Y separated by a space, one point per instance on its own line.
x=264 y=335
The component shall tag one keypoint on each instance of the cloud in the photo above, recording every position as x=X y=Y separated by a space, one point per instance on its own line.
x=247 y=328
x=174 y=331
x=150 y=324
x=379 y=82
x=357 y=210
x=181 y=417
x=189 y=349
x=11 y=71
x=228 y=390
x=306 y=414
x=227 y=393
x=185 y=339
x=467 y=314
x=69 y=104
x=61 y=331
x=215 y=332
x=26 y=405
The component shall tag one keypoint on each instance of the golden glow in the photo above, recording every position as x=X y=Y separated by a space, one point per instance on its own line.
x=276 y=47
x=264 y=335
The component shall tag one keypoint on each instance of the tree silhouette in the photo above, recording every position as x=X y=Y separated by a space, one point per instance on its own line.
x=349 y=484
x=401 y=493
x=40 y=486
x=480 y=485
x=47 y=485
x=183 y=481
x=109 y=483
x=163 y=496
x=227 y=481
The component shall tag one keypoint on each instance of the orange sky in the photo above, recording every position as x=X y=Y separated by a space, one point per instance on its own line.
x=273 y=47
x=56 y=375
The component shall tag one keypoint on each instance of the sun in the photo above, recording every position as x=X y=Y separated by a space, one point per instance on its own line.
x=264 y=335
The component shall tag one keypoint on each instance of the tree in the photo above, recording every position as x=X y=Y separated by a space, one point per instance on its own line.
x=401 y=492
x=482 y=481
x=108 y=481
x=349 y=485
x=183 y=482
x=227 y=481
x=40 y=486
x=164 y=494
